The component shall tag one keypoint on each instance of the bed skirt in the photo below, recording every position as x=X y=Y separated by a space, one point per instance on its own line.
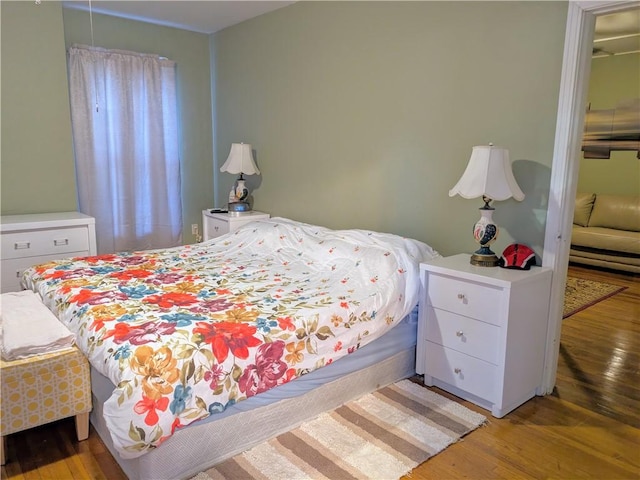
x=206 y=443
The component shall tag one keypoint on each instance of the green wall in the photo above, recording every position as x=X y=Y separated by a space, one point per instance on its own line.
x=363 y=114
x=613 y=79
x=38 y=173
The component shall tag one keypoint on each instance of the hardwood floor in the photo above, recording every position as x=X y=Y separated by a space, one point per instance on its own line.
x=600 y=371
x=589 y=428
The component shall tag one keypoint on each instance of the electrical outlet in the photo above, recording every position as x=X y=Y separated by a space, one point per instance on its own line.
x=194 y=229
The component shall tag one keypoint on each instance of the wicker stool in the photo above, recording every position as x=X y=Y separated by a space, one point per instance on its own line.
x=44 y=388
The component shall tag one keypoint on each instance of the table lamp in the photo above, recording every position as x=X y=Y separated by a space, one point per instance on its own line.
x=488 y=175
x=240 y=161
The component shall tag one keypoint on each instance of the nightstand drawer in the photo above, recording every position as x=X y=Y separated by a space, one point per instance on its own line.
x=216 y=227
x=466 y=298
x=45 y=242
x=215 y=224
x=462 y=371
x=463 y=334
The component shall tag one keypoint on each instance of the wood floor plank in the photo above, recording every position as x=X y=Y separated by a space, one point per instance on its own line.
x=66 y=440
x=86 y=451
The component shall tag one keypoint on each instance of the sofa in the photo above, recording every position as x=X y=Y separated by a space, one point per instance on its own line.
x=606 y=231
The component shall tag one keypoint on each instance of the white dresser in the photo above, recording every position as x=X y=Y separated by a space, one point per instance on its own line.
x=38 y=238
x=216 y=224
x=482 y=331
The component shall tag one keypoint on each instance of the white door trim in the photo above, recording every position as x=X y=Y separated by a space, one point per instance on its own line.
x=574 y=82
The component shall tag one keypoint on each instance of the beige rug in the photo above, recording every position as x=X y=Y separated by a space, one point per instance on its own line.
x=383 y=435
x=580 y=294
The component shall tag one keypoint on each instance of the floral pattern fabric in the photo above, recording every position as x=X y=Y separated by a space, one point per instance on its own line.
x=185 y=332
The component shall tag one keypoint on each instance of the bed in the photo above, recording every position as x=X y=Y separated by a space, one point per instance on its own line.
x=202 y=351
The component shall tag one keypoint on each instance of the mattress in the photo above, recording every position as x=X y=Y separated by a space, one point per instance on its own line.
x=207 y=442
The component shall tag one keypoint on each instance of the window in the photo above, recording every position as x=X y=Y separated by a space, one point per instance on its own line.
x=125 y=137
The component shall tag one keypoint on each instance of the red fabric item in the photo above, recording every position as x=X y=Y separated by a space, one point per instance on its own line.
x=518 y=256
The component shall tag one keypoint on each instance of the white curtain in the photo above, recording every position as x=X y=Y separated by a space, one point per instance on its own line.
x=125 y=136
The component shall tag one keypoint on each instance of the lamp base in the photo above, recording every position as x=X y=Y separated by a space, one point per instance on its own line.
x=484 y=257
x=485 y=231
x=484 y=260
x=238 y=207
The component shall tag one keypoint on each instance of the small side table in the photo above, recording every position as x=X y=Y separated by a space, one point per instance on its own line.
x=482 y=331
x=216 y=224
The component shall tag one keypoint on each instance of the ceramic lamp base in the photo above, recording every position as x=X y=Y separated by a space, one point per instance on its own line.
x=485 y=232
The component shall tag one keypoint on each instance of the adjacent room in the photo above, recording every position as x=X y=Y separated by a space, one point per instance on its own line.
x=309 y=239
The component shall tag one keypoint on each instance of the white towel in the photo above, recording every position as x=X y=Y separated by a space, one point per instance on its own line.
x=29 y=328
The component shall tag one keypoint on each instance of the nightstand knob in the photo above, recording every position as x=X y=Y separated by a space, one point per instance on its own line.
x=461 y=296
x=457 y=370
x=215 y=228
x=459 y=333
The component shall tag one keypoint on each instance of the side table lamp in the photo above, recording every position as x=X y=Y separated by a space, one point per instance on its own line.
x=488 y=175
x=240 y=161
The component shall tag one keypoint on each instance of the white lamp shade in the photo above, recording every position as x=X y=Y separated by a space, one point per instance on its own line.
x=240 y=160
x=488 y=174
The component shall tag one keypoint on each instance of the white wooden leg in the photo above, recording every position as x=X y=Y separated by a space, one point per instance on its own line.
x=82 y=426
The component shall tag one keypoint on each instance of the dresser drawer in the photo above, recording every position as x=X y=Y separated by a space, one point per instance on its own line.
x=12 y=269
x=466 y=298
x=462 y=371
x=32 y=243
x=466 y=335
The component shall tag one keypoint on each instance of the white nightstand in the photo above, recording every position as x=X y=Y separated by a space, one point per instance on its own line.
x=482 y=331
x=216 y=224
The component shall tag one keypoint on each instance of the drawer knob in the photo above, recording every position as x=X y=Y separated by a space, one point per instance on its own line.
x=215 y=228
x=457 y=370
x=459 y=333
x=461 y=296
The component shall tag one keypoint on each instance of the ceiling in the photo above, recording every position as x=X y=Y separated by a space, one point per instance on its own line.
x=198 y=16
x=615 y=34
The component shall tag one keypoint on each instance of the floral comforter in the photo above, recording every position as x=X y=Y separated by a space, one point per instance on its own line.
x=185 y=332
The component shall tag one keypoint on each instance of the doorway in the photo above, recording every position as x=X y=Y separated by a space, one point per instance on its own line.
x=564 y=173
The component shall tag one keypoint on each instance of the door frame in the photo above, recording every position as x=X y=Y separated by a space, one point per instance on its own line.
x=574 y=83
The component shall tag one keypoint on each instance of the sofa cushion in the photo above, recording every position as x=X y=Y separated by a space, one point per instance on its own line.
x=621 y=212
x=606 y=239
x=584 y=205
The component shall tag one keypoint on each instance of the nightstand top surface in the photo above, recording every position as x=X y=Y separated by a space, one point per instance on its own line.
x=460 y=266
x=250 y=213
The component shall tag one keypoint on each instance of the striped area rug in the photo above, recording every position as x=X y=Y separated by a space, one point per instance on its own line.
x=382 y=435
